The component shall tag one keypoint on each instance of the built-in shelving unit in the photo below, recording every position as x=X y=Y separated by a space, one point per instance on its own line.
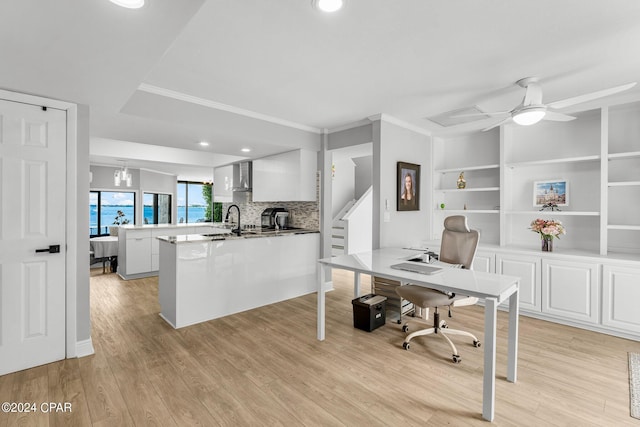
x=598 y=154
x=622 y=176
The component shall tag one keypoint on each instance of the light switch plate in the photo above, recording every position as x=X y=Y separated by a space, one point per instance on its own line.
x=387 y=217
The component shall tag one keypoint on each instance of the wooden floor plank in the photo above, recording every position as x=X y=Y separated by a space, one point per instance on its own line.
x=265 y=367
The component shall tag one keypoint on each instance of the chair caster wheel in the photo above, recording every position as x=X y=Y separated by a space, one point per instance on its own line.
x=457 y=359
x=405 y=328
x=476 y=343
x=405 y=345
x=399 y=322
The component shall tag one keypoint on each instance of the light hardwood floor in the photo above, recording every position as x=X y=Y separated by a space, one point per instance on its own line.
x=265 y=367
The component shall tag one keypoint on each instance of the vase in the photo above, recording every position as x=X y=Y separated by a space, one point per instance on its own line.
x=547 y=244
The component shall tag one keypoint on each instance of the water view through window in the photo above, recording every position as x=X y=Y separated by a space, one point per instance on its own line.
x=194 y=202
x=104 y=207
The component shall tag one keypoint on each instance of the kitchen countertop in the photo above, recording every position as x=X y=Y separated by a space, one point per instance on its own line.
x=251 y=233
x=181 y=225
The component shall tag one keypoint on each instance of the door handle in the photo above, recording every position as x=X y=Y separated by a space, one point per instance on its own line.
x=53 y=249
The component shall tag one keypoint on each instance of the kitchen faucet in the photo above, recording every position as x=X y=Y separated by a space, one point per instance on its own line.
x=238 y=230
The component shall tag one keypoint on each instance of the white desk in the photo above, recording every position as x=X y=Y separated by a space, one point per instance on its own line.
x=492 y=288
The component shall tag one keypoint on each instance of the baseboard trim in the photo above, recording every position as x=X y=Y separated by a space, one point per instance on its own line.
x=328 y=286
x=84 y=348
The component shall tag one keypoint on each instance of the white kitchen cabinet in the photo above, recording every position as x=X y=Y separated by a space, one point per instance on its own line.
x=484 y=261
x=138 y=249
x=620 y=296
x=528 y=269
x=285 y=177
x=223 y=183
x=570 y=289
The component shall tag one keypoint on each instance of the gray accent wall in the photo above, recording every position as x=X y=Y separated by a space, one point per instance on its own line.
x=398 y=144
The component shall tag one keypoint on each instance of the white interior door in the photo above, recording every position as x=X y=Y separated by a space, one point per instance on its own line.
x=32 y=218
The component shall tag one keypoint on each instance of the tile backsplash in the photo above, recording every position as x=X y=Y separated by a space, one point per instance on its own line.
x=301 y=214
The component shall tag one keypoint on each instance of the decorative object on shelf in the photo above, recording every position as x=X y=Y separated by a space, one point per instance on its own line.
x=551 y=206
x=408 y=185
x=548 y=229
x=465 y=207
x=118 y=221
x=554 y=192
x=461 y=181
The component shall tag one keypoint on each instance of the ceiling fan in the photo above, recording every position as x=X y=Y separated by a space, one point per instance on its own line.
x=531 y=110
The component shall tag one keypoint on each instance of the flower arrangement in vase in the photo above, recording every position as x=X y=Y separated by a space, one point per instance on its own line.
x=548 y=229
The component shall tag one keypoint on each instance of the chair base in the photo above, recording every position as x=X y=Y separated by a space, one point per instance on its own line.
x=439 y=329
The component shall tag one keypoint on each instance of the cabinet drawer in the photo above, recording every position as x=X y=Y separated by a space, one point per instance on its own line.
x=138 y=234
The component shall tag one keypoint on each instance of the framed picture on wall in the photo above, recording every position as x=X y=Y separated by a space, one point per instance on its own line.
x=408 y=186
x=552 y=192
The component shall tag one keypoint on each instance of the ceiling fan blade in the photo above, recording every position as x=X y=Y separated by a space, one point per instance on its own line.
x=557 y=117
x=494 y=114
x=500 y=123
x=589 y=96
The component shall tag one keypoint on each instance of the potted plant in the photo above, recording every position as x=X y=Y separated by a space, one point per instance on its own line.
x=117 y=222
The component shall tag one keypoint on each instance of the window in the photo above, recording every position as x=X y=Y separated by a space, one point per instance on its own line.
x=104 y=208
x=157 y=208
x=194 y=202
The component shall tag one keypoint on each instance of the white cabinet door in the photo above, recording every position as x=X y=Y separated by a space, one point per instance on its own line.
x=620 y=296
x=484 y=261
x=528 y=269
x=138 y=255
x=223 y=183
x=285 y=177
x=570 y=289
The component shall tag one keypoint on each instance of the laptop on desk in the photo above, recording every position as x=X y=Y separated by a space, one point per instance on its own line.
x=417 y=268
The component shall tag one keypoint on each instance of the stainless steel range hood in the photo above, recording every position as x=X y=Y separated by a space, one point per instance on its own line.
x=242 y=176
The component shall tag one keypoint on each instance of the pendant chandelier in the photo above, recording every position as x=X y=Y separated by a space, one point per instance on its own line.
x=122 y=177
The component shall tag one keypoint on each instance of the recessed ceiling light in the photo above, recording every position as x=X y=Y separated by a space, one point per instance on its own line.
x=246 y=150
x=328 y=5
x=129 y=4
x=204 y=143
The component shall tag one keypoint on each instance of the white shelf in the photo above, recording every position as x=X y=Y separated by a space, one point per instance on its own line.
x=467 y=168
x=464 y=190
x=555 y=213
x=626 y=155
x=624 y=184
x=463 y=211
x=623 y=227
x=554 y=161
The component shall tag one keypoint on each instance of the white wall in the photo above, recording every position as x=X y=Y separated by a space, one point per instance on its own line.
x=393 y=143
x=83 y=314
x=363 y=175
x=343 y=184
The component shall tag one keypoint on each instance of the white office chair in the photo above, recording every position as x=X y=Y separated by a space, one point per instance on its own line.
x=457 y=249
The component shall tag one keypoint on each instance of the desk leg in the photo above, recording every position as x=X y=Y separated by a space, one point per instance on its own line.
x=321 y=302
x=512 y=364
x=489 y=380
x=356 y=284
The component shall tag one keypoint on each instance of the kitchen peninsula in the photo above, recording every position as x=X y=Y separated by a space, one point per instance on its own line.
x=207 y=276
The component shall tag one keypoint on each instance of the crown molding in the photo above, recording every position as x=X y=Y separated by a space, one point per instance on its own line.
x=168 y=93
x=401 y=123
x=348 y=126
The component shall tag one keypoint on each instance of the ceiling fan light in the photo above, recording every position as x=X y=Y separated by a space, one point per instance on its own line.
x=328 y=5
x=529 y=116
x=129 y=4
